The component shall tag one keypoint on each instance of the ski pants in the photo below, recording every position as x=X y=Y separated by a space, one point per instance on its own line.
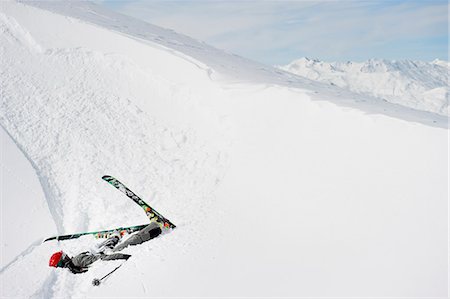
x=147 y=233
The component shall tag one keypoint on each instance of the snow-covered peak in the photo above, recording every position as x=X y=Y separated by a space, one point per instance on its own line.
x=441 y=63
x=416 y=84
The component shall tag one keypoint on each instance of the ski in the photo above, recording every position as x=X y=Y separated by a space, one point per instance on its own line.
x=151 y=213
x=100 y=234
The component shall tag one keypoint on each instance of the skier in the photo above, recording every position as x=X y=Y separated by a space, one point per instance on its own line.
x=81 y=262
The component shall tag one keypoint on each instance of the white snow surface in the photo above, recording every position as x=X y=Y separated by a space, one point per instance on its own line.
x=279 y=186
x=416 y=84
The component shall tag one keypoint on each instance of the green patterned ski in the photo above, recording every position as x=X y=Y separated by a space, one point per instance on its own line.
x=151 y=213
x=100 y=234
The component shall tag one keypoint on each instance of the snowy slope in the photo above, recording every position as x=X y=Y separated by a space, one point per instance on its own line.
x=279 y=186
x=20 y=191
x=416 y=84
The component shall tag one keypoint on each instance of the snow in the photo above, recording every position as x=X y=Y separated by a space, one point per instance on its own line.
x=20 y=192
x=416 y=84
x=279 y=185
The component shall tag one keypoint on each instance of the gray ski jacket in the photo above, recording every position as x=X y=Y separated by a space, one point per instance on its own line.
x=84 y=259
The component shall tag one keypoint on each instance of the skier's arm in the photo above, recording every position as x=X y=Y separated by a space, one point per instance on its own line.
x=114 y=256
x=83 y=260
x=76 y=269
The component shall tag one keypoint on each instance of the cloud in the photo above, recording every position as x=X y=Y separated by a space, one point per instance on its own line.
x=276 y=32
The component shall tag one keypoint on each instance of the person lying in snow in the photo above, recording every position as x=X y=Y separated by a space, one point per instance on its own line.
x=81 y=262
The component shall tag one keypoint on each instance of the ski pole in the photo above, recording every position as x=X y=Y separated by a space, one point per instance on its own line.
x=96 y=281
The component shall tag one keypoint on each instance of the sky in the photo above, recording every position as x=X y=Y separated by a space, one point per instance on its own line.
x=278 y=32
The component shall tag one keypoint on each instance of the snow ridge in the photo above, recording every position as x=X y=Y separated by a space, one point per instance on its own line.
x=416 y=84
x=230 y=68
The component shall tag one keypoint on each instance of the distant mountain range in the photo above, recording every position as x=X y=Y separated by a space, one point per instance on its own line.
x=415 y=84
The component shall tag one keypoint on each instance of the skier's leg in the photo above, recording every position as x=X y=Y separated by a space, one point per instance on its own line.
x=109 y=243
x=149 y=232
